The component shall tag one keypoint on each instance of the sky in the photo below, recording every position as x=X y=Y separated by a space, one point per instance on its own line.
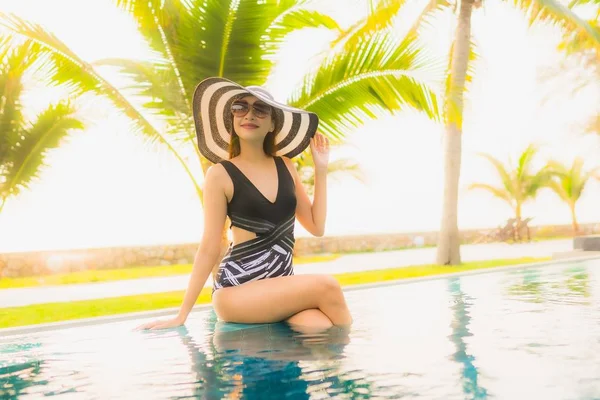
x=106 y=187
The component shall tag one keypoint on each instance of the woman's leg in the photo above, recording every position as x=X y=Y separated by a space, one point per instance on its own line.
x=277 y=299
x=309 y=319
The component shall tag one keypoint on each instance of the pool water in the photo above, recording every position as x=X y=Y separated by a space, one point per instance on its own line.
x=521 y=334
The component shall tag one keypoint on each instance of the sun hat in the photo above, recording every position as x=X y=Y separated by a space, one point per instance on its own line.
x=211 y=108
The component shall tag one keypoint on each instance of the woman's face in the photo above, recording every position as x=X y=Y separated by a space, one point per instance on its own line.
x=252 y=118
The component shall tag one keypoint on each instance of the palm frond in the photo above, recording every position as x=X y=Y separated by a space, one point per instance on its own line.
x=68 y=69
x=533 y=183
x=297 y=18
x=502 y=172
x=228 y=38
x=14 y=61
x=570 y=182
x=574 y=3
x=28 y=155
x=152 y=80
x=5 y=46
x=558 y=169
x=525 y=160
x=155 y=21
x=498 y=192
x=381 y=75
x=428 y=16
x=381 y=16
x=148 y=16
x=558 y=187
x=555 y=12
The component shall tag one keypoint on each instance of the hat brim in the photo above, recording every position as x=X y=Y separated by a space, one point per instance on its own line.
x=212 y=118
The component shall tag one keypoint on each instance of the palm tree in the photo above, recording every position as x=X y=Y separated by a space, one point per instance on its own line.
x=25 y=143
x=569 y=183
x=520 y=183
x=384 y=72
x=191 y=42
x=448 y=251
x=239 y=40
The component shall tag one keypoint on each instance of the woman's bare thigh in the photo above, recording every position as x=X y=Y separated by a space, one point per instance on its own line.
x=268 y=300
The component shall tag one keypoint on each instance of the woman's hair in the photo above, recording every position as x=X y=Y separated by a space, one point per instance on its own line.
x=268 y=144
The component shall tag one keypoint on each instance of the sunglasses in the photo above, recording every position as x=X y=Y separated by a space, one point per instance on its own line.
x=241 y=108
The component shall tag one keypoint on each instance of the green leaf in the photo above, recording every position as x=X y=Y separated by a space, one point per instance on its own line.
x=14 y=61
x=28 y=155
x=570 y=182
x=555 y=12
x=230 y=38
x=503 y=173
x=382 y=75
x=67 y=68
x=498 y=192
x=152 y=80
x=381 y=16
x=297 y=18
x=521 y=183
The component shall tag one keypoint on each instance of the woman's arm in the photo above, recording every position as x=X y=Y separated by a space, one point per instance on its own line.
x=215 y=211
x=312 y=216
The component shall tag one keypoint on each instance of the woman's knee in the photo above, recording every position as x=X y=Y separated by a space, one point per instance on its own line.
x=330 y=288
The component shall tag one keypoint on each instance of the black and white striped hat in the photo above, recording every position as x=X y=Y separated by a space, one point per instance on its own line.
x=212 y=116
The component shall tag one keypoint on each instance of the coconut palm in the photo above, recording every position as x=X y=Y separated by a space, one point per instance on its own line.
x=384 y=72
x=239 y=40
x=519 y=183
x=569 y=184
x=25 y=143
x=537 y=10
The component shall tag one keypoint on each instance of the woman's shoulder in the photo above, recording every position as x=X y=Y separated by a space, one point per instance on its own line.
x=215 y=174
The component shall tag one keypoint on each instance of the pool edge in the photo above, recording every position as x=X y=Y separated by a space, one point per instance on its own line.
x=37 y=328
x=481 y=271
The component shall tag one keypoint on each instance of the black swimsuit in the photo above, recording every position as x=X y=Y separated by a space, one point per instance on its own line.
x=269 y=254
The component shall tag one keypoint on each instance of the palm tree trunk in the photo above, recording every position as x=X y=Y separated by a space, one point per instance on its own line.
x=574 y=219
x=518 y=216
x=448 y=251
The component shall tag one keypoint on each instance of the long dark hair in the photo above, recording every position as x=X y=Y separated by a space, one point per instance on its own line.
x=268 y=144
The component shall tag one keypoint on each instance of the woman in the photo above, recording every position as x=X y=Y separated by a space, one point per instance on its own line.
x=250 y=138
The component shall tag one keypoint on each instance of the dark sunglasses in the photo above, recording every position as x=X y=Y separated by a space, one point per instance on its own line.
x=241 y=108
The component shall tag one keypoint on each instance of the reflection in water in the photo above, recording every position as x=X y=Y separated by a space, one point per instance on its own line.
x=460 y=330
x=572 y=286
x=395 y=350
x=16 y=378
x=241 y=361
x=578 y=282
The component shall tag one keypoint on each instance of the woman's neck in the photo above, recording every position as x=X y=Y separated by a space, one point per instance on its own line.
x=252 y=152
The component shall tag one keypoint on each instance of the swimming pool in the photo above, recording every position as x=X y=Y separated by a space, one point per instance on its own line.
x=530 y=333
